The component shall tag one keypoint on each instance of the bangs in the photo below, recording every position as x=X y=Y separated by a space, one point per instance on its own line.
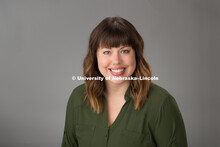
x=114 y=37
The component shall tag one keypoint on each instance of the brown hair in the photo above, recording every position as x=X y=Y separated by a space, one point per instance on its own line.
x=113 y=32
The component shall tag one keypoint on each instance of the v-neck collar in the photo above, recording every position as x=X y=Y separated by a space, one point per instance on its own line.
x=127 y=96
x=121 y=113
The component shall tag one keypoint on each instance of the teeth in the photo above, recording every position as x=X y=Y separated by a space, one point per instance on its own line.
x=118 y=70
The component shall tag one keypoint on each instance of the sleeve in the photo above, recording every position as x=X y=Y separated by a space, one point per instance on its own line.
x=69 y=137
x=169 y=128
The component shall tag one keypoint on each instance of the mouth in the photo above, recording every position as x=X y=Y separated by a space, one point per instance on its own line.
x=117 y=71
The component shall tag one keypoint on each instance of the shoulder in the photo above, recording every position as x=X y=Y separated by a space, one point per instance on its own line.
x=77 y=96
x=158 y=98
x=158 y=94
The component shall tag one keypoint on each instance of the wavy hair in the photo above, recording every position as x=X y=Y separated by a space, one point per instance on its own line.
x=113 y=32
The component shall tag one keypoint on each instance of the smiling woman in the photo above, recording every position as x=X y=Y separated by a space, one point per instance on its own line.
x=119 y=112
x=118 y=61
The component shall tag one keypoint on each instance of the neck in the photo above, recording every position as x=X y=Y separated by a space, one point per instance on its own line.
x=116 y=89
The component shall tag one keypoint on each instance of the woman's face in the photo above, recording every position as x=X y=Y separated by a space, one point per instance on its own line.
x=117 y=62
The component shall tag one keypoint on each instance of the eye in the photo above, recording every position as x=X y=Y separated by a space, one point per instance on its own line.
x=125 y=51
x=106 y=52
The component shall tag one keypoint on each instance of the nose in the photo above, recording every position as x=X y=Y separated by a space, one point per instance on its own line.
x=116 y=59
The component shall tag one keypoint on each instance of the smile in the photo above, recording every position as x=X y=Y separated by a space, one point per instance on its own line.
x=117 y=72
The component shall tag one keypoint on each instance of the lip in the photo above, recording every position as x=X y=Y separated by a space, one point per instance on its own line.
x=118 y=73
x=116 y=68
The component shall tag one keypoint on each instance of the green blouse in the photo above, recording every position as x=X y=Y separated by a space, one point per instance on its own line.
x=157 y=124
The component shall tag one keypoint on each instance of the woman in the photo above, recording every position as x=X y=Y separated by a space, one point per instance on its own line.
x=117 y=112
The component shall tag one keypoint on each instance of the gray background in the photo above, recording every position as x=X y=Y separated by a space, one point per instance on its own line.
x=43 y=43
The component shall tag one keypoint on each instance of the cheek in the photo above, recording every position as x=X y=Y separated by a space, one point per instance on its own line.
x=133 y=65
x=132 y=61
x=102 y=62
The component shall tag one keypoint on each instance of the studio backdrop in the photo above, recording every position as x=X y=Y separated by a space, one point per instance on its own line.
x=43 y=43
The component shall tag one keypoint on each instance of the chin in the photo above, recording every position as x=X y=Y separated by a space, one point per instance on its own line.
x=118 y=82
